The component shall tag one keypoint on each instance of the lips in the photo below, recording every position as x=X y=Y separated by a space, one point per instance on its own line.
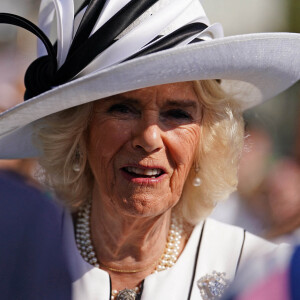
x=142 y=174
x=138 y=172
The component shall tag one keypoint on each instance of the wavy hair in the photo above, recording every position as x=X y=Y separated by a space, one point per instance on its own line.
x=63 y=139
x=220 y=148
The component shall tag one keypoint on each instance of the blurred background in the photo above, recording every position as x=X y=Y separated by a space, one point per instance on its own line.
x=268 y=198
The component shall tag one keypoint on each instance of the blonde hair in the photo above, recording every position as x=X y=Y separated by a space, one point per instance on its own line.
x=63 y=139
x=220 y=148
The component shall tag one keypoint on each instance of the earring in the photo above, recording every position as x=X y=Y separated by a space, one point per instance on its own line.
x=197 y=180
x=76 y=164
x=76 y=167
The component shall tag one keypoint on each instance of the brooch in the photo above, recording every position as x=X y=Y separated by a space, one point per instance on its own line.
x=127 y=294
x=212 y=287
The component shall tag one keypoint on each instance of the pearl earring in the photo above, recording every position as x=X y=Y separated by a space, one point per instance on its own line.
x=76 y=167
x=197 y=180
x=76 y=164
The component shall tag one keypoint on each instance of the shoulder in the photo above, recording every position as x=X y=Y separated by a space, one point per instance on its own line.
x=30 y=242
x=28 y=217
x=229 y=232
x=22 y=201
x=221 y=250
x=233 y=244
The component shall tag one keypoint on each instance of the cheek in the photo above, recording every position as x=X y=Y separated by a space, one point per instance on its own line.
x=107 y=137
x=183 y=144
x=105 y=140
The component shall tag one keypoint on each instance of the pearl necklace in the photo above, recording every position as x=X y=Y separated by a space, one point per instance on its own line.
x=86 y=249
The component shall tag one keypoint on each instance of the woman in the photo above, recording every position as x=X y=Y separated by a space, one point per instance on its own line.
x=144 y=164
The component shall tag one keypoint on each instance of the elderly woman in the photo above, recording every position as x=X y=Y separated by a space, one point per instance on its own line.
x=137 y=121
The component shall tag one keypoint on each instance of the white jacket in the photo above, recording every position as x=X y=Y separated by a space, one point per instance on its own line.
x=212 y=246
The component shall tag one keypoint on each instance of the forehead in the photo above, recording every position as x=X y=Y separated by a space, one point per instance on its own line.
x=171 y=91
x=180 y=93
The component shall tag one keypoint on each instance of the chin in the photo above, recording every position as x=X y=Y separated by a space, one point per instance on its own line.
x=143 y=206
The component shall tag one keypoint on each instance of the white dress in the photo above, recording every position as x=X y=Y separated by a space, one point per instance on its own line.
x=212 y=246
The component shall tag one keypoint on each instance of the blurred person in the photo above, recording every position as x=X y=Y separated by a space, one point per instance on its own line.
x=276 y=277
x=247 y=206
x=32 y=260
x=270 y=277
x=29 y=219
x=267 y=201
x=282 y=187
x=12 y=91
x=282 y=191
x=297 y=137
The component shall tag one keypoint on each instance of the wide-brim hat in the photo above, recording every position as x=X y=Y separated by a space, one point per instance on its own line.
x=140 y=43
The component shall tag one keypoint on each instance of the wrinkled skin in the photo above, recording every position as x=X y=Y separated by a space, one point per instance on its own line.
x=156 y=127
x=142 y=128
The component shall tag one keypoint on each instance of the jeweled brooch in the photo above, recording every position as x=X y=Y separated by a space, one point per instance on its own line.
x=127 y=294
x=212 y=287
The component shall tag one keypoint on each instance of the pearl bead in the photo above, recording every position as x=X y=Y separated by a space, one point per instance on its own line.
x=91 y=254
x=93 y=260
x=197 y=182
x=86 y=249
x=76 y=167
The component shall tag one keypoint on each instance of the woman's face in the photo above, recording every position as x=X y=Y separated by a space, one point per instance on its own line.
x=141 y=146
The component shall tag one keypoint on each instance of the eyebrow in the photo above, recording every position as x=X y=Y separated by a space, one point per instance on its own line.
x=182 y=103
x=122 y=98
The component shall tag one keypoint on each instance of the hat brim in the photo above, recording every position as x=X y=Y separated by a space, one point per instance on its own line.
x=253 y=67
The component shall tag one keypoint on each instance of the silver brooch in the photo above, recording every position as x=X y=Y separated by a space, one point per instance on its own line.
x=212 y=287
x=127 y=294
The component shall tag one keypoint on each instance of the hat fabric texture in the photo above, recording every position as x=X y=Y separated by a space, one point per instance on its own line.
x=141 y=43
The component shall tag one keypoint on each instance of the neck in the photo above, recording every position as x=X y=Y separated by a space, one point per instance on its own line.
x=130 y=248
x=128 y=242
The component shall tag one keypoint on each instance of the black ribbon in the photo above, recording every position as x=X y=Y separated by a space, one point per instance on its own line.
x=40 y=74
x=103 y=38
x=172 y=39
x=87 y=23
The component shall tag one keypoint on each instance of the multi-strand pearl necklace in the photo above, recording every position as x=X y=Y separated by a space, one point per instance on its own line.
x=86 y=249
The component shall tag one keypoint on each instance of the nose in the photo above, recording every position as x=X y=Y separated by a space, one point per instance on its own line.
x=148 y=137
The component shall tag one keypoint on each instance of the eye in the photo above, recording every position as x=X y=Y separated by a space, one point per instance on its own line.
x=178 y=114
x=122 y=109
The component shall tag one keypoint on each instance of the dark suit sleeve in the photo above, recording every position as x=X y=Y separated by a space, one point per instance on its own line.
x=32 y=261
x=294 y=274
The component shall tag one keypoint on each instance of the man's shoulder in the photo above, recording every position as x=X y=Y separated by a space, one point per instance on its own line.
x=20 y=198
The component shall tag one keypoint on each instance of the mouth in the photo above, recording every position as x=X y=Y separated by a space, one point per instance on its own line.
x=143 y=175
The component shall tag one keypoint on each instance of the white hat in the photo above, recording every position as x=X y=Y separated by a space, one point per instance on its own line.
x=115 y=46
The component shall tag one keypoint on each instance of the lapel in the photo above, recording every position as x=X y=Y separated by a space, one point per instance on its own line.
x=174 y=283
x=220 y=251
x=88 y=282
